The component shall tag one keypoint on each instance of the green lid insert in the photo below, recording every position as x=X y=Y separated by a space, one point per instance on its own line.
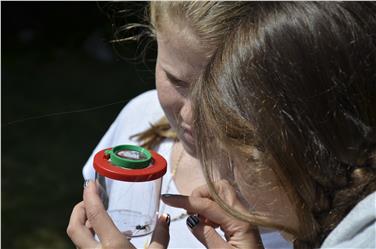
x=129 y=156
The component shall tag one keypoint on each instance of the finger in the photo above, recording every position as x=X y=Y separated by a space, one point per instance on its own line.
x=205 y=234
x=225 y=191
x=202 y=206
x=201 y=191
x=161 y=235
x=77 y=231
x=88 y=225
x=97 y=215
x=222 y=187
x=206 y=221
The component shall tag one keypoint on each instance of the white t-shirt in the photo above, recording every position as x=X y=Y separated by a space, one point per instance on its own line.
x=136 y=117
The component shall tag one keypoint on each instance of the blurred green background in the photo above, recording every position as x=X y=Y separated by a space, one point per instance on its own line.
x=56 y=60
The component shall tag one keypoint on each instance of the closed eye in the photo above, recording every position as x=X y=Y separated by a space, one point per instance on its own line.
x=175 y=81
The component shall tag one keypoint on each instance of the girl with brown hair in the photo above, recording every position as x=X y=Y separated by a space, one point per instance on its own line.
x=289 y=102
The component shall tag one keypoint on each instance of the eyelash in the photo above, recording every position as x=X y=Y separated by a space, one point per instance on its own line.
x=178 y=83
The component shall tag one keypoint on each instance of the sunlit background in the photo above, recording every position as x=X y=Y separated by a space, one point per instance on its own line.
x=62 y=86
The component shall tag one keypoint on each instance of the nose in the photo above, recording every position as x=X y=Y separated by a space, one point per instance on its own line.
x=186 y=112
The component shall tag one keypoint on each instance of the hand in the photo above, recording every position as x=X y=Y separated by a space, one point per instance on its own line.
x=89 y=217
x=239 y=234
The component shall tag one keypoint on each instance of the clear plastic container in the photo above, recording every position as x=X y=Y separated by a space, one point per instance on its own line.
x=131 y=192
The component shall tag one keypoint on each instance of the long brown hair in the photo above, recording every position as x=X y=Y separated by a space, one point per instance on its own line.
x=296 y=82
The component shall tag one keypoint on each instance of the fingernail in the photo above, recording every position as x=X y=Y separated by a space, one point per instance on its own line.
x=168 y=219
x=192 y=221
x=167 y=195
x=165 y=218
x=86 y=183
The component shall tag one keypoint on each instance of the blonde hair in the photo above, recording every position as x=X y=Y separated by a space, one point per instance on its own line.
x=209 y=22
x=154 y=135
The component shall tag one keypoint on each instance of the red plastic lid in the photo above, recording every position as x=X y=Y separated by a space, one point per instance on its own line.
x=155 y=170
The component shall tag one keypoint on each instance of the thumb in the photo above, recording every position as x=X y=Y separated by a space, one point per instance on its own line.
x=206 y=234
x=161 y=235
x=97 y=215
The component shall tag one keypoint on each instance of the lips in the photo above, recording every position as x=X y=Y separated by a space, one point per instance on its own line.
x=187 y=134
x=188 y=138
x=186 y=128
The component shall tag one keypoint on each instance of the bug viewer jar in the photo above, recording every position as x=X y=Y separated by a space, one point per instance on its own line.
x=132 y=202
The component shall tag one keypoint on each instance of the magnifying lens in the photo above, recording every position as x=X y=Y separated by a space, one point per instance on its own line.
x=129 y=180
x=129 y=156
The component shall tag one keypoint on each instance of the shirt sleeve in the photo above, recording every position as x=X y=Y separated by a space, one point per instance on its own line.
x=357 y=229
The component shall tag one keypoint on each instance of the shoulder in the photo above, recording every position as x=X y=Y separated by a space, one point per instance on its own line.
x=357 y=229
x=144 y=98
x=143 y=109
x=145 y=104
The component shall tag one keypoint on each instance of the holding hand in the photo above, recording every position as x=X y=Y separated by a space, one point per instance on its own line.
x=89 y=217
x=239 y=234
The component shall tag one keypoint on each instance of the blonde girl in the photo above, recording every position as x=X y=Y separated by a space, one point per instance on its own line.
x=187 y=34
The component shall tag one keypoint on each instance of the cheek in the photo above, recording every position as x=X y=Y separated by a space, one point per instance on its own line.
x=263 y=193
x=257 y=189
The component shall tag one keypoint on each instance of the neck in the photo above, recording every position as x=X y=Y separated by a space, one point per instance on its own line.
x=188 y=173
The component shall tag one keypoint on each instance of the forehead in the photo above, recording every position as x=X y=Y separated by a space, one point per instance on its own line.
x=181 y=52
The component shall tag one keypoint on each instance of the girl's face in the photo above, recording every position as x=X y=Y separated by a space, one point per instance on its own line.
x=179 y=63
x=263 y=192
